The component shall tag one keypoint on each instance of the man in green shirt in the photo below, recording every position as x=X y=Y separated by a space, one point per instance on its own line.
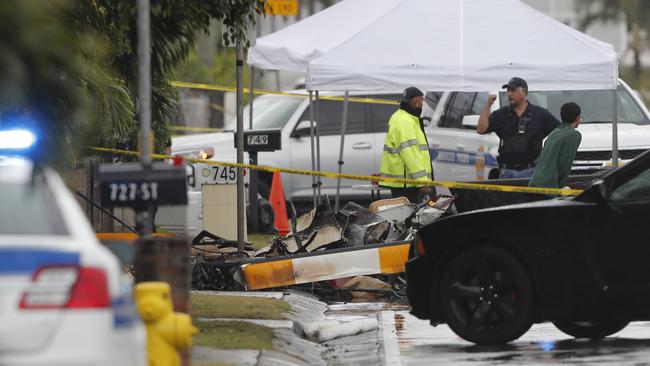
x=554 y=163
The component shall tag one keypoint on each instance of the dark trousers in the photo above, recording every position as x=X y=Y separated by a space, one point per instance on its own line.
x=412 y=193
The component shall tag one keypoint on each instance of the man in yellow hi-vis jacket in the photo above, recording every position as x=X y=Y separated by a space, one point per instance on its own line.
x=406 y=150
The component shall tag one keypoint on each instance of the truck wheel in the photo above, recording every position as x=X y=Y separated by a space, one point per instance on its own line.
x=592 y=329
x=486 y=296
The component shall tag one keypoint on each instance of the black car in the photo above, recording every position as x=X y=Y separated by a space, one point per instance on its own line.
x=582 y=263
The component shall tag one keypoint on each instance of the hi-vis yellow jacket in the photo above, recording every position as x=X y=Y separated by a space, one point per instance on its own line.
x=406 y=151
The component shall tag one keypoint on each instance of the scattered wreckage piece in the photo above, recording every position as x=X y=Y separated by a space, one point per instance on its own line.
x=323 y=245
x=317 y=229
x=387 y=258
x=214 y=259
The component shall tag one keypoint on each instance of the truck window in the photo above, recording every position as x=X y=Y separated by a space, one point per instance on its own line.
x=331 y=116
x=269 y=111
x=459 y=105
x=479 y=103
x=381 y=113
x=432 y=99
x=596 y=105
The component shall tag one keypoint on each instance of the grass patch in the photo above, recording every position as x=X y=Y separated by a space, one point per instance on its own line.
x=245 y=307
x=232 y=335
x=259 y=240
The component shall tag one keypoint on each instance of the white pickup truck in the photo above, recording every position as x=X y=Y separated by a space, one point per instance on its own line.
x=460 y=154
x=457 y=151
x=364 y=141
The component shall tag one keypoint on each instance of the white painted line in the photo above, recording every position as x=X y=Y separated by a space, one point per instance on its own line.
x=388 y=337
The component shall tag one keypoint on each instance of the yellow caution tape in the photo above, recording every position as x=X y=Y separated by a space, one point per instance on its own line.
x=369 y=178
x=201 y=86
x=196 y=129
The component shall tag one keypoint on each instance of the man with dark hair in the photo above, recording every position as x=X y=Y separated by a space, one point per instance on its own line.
x=554 y=163
x=521 y=126
x=406 y=150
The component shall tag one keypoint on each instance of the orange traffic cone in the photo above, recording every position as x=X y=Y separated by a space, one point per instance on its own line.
x=278 y=203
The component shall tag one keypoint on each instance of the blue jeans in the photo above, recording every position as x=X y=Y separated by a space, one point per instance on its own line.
x=512 y=173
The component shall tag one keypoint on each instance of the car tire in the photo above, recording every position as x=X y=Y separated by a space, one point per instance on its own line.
x=591 y=329
x=486 y=296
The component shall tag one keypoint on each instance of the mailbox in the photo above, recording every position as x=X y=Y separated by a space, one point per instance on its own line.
x=261 y=140
x=132 y=185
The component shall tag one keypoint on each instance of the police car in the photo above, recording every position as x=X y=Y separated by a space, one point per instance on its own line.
x=63 y=297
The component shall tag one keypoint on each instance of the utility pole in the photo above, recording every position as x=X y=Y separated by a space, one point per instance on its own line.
x=241 y=206
x=145 y=217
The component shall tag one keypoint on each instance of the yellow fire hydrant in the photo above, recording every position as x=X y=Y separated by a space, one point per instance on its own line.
x=167 y=332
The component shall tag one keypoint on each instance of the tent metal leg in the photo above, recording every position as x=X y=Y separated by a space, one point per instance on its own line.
x=343 y=127
x=614 y=128
x=313 y=150
x=252 y=186
x=317 y=112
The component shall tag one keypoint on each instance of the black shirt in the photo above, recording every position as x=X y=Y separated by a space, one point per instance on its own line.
x=521 y=138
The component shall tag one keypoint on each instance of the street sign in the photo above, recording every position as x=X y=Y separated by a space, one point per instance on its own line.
x=281 y=7
x=262 y=140
x=132 y=185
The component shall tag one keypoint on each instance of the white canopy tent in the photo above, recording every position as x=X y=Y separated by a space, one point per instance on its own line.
x=465 y=45
x=441 y=45
x=293 y=47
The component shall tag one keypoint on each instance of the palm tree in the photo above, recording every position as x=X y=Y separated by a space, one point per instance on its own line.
x=174 y=28
x=71 y=65
x=635 y=14
x=47 y=68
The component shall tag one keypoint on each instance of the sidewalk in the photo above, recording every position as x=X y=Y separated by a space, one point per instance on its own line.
x=290 y=344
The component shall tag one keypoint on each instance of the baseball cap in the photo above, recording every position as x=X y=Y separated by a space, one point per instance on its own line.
x=514 y=83
x=410 y=93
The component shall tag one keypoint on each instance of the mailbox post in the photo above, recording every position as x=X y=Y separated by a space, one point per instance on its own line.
x=140 y=186
x=255 y=141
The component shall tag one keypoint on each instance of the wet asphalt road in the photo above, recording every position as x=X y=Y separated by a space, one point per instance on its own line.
x=421 y=344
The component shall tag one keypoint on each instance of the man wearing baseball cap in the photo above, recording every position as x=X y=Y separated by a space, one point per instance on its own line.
x=406 y=150
x=521 y=126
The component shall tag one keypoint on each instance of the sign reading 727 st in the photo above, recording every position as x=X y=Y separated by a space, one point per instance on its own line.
x=135 y=186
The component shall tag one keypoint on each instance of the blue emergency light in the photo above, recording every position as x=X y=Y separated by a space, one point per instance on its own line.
x=16 y=139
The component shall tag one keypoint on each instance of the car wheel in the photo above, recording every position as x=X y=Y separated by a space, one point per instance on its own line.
x=486 y=296
x=591 y=329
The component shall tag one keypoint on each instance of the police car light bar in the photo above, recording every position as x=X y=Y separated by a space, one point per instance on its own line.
x=16 y=139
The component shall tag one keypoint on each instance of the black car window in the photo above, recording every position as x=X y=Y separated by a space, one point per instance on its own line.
x=459 y=105
x=331 y=115
x=635 y=189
